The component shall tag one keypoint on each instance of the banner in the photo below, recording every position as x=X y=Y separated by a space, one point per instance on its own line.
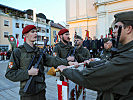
x=62 y=90
x=69 y=90
x=87 y=33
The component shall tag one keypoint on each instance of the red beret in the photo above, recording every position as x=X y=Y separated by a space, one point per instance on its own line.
x=62 y=31
x=28 y=28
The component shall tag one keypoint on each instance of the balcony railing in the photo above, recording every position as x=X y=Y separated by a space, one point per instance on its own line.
x=100 y=2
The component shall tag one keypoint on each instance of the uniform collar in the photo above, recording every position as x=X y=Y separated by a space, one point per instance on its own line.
x=29 y=48
x=63 y=45
x=126 y=46
x=80 y=47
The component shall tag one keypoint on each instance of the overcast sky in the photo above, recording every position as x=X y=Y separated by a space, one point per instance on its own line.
x=52 y=9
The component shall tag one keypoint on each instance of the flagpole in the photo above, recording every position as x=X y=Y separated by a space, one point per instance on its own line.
x=35 y=20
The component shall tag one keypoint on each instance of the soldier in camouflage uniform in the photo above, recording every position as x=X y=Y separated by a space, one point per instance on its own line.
x=106 y=52
x=113 y=78
x=64 y=49
x=21 y=57
x=81 y=53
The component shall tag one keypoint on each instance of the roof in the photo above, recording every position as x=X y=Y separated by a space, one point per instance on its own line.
x=29 y=12
x=57 y=25
x=4 y=6
x=41 y=15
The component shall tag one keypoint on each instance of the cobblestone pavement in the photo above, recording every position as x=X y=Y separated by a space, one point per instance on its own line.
x=9 y=90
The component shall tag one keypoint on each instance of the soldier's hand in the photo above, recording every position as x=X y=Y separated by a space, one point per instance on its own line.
x=73 y=63
x=61 y=67
x=33 y=71
x=92 y=59
x=87 y=61
x=70 y=58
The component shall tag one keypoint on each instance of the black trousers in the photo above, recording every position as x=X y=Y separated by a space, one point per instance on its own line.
x=38 y=96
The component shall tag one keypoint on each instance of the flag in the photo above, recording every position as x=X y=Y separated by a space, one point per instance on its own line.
x=56 y=39
x=24 y=39
x=87 y=33
x=106 y=35
x=62 y=90
x=17 y=42
x=110 y=30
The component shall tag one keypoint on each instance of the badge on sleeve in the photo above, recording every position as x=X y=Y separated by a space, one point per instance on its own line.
x=10 y=65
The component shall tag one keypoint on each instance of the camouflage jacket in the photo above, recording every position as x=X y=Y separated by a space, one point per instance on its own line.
x=114 y=78
x=19 y=62
x=63 y=51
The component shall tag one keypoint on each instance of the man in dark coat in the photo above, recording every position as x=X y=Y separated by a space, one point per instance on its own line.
x=101 y=43
x=114 y=78
x=94 y=46
x=87 y=43
x=20 y=60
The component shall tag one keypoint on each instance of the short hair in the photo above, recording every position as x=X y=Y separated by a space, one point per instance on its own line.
x=127 y=23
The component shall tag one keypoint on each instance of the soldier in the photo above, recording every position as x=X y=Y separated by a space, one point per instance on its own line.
x=21 y=57
x=64 y=49
x=112 y=78
x=81 y=53
x=106 y=52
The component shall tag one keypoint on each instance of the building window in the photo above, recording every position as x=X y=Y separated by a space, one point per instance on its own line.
x=4 y=47
x=6 y=34
x=54 y=33
x=17 y=36
x=6 y=23
x=42 y=38
x=22 y=25
x=39 y=29
x=43 y=30
x=47 y=30
x=17 y=25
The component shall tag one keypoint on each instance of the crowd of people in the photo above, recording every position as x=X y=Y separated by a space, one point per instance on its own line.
x=109 y=75
x=5 y=55
x=95 y=46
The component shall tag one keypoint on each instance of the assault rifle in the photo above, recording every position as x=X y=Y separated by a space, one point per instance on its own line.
x=114 y=49
x=29 y=83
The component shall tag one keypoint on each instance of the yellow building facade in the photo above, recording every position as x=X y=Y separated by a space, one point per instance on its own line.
x=5 y=30
x=55 y=28
x=53 y=32
x=96 y=16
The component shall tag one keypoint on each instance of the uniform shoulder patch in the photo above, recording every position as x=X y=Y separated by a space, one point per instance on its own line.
x=10 y=65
